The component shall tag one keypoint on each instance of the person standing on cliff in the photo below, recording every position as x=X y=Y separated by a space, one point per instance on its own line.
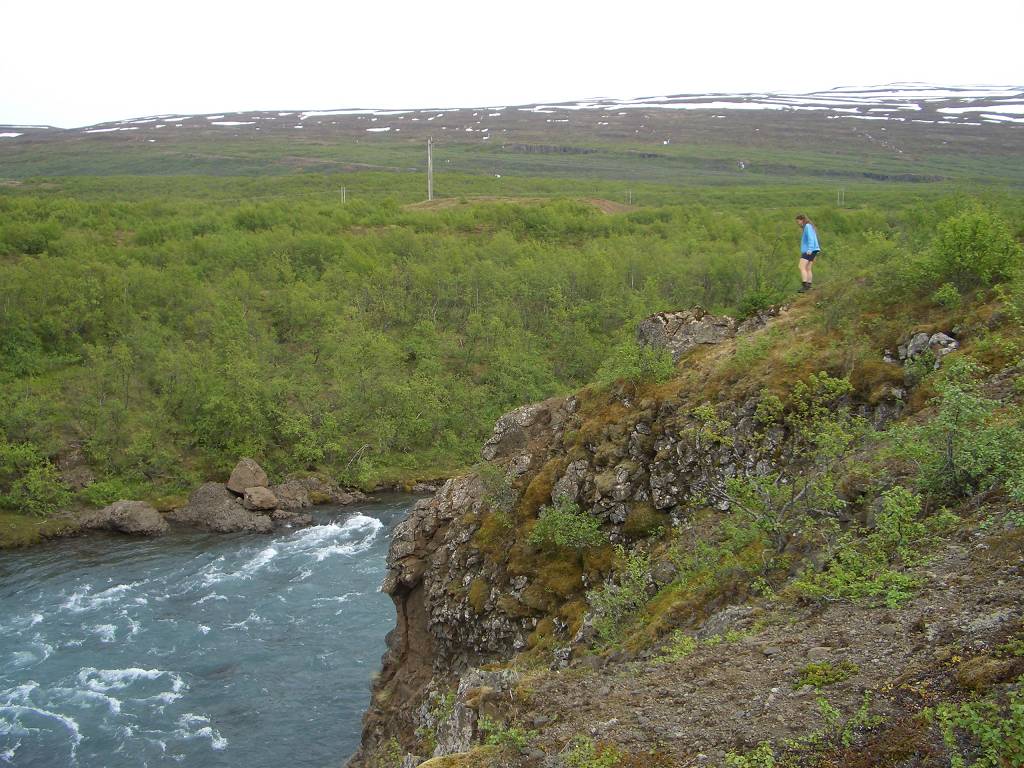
x=809 y=248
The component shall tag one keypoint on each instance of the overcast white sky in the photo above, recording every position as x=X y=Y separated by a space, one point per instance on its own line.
x=75 y=63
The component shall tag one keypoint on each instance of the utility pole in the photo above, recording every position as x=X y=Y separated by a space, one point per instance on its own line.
x=430 y=168
x=344 y=195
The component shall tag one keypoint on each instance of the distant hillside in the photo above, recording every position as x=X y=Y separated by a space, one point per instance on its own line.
x=904 y=132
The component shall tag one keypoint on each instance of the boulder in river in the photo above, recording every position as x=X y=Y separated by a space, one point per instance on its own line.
x=291 y=495
x=212 y=507
x=288 y=518
x=259 y=498
x=247 y=474
x=306 y=491
x=136 y=518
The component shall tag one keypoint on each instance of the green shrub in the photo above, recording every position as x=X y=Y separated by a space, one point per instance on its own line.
x=104 y=492
x=972 y=443
x=679 y=646
x=972 y=248
x=635 y=364
x=565 y=525
x=947 y=295
x=584 y=753
x=618 y=602
x=870 y=565
x=499 y=494
x=822 y=673
x=755 y=301
x=763 y=756
x=782 y=500
x=29 y=482
x=987 y=733
x=497 y=734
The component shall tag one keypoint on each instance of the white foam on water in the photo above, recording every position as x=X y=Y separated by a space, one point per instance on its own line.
x=106 y=632
x=18 y=703
x=186 y=723
x=211 y=596
x=258 y=562
x=10 y=135
x=217 y=741
x=82 y=600
x=103 y=680
x=244 y=624
x=379 y=130
x=230 y=122
x=211 y=573
x=356 y=534
x=89 y=698
x=203 y=629
x=340 y=599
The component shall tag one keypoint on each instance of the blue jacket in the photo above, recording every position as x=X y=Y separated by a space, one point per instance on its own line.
x=809 y=241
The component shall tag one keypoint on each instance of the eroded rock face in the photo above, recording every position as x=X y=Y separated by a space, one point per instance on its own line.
x=212 y=507
x=136 y=518
x=681 y=331
x=462 y=602
x=247 y=474
x=518 y=430
x=432 y=565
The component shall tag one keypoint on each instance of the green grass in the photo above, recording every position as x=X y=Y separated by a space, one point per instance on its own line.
x=18 y=530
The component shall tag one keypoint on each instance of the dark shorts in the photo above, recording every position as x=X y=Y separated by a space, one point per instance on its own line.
x=811 y=257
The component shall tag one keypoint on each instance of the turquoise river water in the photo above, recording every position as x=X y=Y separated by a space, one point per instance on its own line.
x=195 y=650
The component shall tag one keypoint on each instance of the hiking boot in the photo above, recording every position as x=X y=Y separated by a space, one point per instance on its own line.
x=805 y=287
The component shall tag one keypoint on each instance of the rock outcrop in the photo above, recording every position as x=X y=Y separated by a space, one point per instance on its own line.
x=468 y=592
x=212 y=507
x=938 y=344
x=136 y=518
x=460 y=606
x=247 y=504
x=306 y=491
x=681 y=331
x=247 y=474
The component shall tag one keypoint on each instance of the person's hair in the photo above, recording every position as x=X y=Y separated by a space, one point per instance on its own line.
x=804 y=219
